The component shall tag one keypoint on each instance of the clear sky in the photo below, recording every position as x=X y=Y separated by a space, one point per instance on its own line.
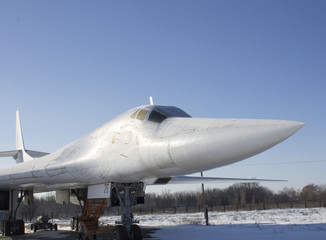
x=70 y=66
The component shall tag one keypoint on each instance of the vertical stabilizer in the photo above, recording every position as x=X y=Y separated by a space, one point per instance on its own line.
x=19 y=134
x=22 y=156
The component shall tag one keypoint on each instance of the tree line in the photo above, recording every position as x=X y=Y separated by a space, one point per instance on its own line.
x=238 y=195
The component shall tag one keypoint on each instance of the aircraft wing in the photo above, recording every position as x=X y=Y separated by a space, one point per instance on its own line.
x=32 y=153
x=9 y=153
x=199 y=180
x=36 y=154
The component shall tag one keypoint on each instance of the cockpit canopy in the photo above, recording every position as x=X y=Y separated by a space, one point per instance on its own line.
x=159 y=113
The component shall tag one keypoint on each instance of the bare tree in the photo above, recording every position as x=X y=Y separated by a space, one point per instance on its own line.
x=310 y=192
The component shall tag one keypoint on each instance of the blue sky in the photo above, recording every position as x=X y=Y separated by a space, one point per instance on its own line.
x=70 y=66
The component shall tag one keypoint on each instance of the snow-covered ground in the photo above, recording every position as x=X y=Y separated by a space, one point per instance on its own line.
x=298 y=224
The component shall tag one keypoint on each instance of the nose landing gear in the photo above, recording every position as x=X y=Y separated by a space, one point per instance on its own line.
x=127 y=228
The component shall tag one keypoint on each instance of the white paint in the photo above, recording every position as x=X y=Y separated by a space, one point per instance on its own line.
x=151 y=100
x=143 y=151
x=22 y=155
x=62 y=196
x=99 y=191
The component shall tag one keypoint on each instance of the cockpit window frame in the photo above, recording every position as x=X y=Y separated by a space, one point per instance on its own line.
x=133 y=116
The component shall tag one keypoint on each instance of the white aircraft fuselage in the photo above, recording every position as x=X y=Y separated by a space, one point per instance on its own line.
x=145 y=144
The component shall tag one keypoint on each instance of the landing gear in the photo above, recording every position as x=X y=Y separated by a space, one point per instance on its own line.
x=136 y=232
x=11 y=226
x=122 y=194
x=126 y=228
x=119 y=232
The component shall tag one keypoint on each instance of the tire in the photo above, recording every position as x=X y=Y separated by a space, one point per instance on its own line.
x=35 y=228
x=119 y=233
x=55 y=227
x=7 y=228
x=15 y=227
x=32 y=226
x=136 y=232
x=21 y=227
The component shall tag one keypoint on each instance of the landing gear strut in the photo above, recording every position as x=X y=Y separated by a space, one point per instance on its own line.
x=12 y=226
x=127 y=228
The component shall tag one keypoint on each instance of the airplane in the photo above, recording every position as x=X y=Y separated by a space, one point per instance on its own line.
x=112 y=165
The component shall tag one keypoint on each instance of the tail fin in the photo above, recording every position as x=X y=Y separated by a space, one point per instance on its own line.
x=19 y=135
x=21 y=154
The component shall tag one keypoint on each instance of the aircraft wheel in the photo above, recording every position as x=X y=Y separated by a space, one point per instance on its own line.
x=21 y=227
x=7 y=228
x=82 y=236
x=119 y=233
x=35 y=228
x=55 y=227
x=136 y=232
x=32 y=226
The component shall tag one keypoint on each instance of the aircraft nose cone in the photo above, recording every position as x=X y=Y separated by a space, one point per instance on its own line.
x=218 y=142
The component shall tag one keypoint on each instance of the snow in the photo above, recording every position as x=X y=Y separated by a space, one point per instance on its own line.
x=298 y=224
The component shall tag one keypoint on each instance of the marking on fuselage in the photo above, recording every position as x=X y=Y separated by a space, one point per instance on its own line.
x=123 y=155
x=162 y=180
x=37 y=173
x=106 y=187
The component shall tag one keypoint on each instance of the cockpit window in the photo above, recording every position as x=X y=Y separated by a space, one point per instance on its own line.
x=141 y=115
x=160 y=113
x=156 y=117
x=134 y=114
x=172 y=111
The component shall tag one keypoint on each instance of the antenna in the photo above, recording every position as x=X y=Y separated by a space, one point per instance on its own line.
x=151 y=100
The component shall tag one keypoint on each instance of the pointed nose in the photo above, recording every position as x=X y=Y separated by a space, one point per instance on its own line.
x=204 y=144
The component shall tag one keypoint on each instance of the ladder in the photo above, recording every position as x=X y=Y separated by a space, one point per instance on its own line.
x=92 y=211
